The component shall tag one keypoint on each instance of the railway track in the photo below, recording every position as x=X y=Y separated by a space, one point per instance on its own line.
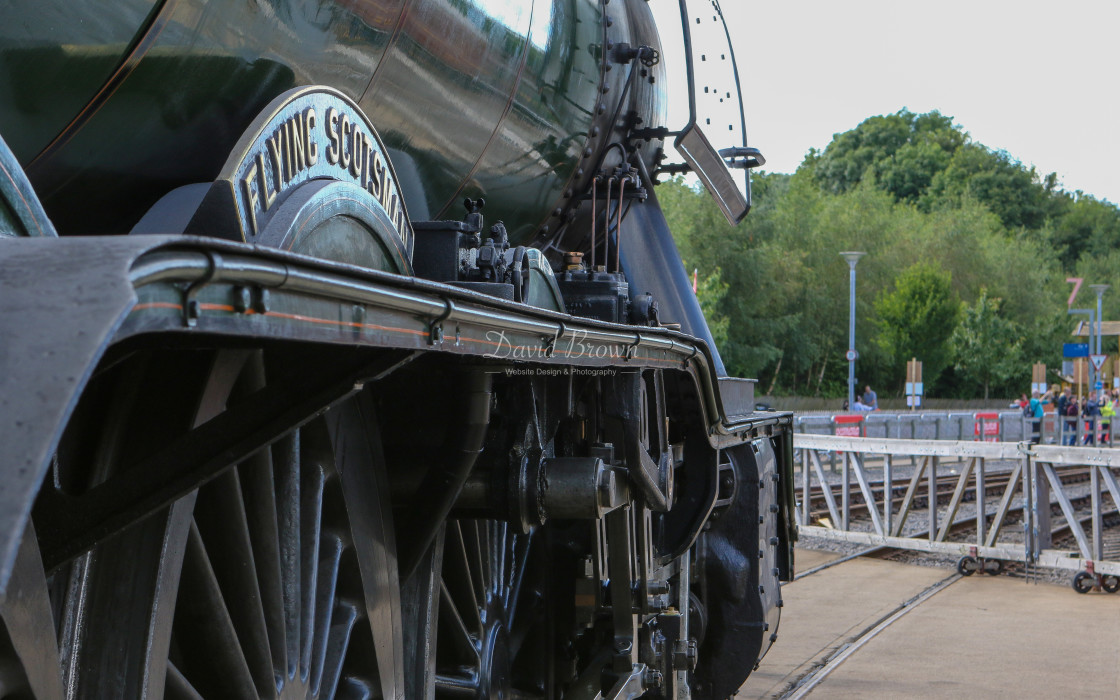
x=807 y=683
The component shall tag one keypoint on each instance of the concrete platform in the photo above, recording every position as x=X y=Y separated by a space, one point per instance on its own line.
x=982 y=636
x=810 y=558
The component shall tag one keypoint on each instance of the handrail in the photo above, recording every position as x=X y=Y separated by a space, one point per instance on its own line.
x=1036 y=482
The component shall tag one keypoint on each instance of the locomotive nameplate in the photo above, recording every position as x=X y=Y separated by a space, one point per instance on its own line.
x=310 y=133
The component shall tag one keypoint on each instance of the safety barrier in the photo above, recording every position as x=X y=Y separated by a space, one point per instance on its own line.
x=995 y=426
x=1011 y=486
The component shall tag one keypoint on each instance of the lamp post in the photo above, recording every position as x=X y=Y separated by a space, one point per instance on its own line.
x=852 y=257
x=1100 y=289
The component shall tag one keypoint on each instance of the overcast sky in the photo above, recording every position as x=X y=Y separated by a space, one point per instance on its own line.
x=1037 y=79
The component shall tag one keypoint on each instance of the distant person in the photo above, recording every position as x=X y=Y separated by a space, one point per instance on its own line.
x=1050 y=396
x=861 y=406
x=1069 y=428
x=1091 y=410
x=870 y=399
x=1034 y=406
x=1108 y=412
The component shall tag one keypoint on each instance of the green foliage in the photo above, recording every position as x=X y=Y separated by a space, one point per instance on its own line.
x=942 y=219
x=710 y=291
x=994 y=179
x=903 y=150
x=915 y=319
x=1088 y=228
x=988 y=346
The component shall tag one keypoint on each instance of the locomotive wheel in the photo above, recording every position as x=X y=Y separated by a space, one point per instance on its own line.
x=1083 y=582
x=275 y=580
x=486 y=609
x=314 y=616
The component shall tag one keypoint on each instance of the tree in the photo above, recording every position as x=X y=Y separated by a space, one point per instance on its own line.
x=915 y=319
x=710 y=291
x=988 y=347
x=903 y=151
x=907 y=189
x=995 y=179
x=1087 y=227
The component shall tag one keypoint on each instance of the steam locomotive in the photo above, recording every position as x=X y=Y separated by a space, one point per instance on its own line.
x=345 y=352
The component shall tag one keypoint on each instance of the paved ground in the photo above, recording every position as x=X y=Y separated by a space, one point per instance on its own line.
x=983 y=636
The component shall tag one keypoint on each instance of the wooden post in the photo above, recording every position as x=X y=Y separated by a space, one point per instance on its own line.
x=914 y=388
x=1038 y=378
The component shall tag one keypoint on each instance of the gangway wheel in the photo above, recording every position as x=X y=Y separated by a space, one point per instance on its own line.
x=1083 y=582
x=967 y=566
x=1110 y=583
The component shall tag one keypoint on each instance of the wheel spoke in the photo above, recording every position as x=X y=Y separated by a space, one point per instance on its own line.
x=472 y=547
x=458 y=636
x=521 y=549
x=311 y=514
x=285 y=457
x=343 y=619
x=25 y=613
x=178 y=687
x=258 y=489
x=204 y=627
x=360 y=465
x=501 y=547
x=222 y=522
x=467 y=596
x=352 y=688
x=331 y=552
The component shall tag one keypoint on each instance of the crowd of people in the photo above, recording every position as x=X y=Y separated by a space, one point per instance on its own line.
x=1097 y=410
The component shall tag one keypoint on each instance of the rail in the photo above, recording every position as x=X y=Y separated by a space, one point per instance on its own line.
x=980 y=500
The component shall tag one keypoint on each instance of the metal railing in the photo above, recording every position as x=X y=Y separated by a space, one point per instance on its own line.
x=1010 y=487
x=1000 y=426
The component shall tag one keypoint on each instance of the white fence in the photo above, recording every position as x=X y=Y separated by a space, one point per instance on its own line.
x=1010 y=482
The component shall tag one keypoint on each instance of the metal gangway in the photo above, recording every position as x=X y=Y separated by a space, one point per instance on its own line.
x=1015 y=489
